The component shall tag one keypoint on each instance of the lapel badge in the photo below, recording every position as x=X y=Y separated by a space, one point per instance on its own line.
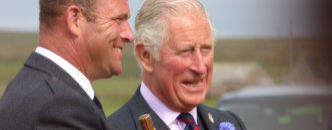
x=210 y=117
x=226 y=126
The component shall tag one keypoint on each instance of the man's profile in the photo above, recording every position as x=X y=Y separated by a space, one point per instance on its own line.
x=80 y=41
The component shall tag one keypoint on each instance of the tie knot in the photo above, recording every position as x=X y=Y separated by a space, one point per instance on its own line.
x=186 y=118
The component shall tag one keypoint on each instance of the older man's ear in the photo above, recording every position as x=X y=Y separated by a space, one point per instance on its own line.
x=145 y=58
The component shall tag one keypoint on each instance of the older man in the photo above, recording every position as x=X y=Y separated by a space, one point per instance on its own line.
x=174 y=46
x=80 y=41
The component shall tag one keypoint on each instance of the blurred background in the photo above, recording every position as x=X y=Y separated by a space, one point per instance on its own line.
x=259 y=44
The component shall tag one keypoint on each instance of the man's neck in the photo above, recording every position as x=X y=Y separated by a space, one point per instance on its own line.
x=167 y=115
x=78 y=76
x=67 y=51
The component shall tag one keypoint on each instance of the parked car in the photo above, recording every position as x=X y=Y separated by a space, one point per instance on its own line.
x=281 y=107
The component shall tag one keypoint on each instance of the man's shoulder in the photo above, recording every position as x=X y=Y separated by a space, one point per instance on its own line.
x=136 y=103
x=220 y=118
x=35 y=89
x=122 y=119
x=211 y=110
x=36 y=84
x=30 y=83
x=126 y=118
x=124 y=111
x=214 y=114
x=46 y=104
x=33 y=94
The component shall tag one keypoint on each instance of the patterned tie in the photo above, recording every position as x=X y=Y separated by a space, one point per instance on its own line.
x=188 y=120
x=96 y=101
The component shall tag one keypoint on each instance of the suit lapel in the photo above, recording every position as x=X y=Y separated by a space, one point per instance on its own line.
x=56 y=83
x=40 y=63
x=138 y=106
x=206 y=119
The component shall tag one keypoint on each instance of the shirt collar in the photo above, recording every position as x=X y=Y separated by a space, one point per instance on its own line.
x=164 y=113
x=68 y=68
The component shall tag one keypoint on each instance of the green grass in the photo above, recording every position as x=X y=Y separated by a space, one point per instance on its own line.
x=115 y=92
x=9 y=69
x=272 y=54
x=16 y=46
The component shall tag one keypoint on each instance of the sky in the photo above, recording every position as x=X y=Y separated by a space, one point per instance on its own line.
x=231 y=18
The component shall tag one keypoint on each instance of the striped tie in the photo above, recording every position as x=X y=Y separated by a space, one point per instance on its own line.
x=188 y=120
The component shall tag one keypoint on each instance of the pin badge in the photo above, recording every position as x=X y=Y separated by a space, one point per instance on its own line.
x=210 y=117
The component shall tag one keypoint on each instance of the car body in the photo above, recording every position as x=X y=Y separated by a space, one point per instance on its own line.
x=281 y=107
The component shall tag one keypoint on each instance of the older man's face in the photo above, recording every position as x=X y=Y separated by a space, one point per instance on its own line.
x=183 y=73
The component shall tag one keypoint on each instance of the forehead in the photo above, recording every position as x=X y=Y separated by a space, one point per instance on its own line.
x=189 y=28
x=113 y=7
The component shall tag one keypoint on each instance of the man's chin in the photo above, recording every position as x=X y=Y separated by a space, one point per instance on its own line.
x=110 y=74
x=116 y=72
x=194 y=102
x=190 y=104
x=186 y=107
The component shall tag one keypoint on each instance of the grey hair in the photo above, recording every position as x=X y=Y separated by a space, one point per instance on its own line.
x=150 y=22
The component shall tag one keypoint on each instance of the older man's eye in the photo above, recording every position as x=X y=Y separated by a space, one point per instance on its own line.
x=185 y=52
x=206 y=50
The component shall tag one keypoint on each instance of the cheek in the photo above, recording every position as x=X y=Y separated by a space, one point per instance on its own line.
x=96 y=50
x=113 y=32
x=209 y=62
x=178 y=65
x=108 y=31
x=171 y=72
x=209 y=65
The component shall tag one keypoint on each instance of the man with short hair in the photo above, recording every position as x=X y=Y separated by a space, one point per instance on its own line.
x=174 y=46
x=80 y=41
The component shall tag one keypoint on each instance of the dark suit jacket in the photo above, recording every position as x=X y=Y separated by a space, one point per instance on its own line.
x=126 y=118
x=43 y=96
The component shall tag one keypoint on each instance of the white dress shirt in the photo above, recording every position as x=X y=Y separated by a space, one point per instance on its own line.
x=69 y=68
x=167 y=115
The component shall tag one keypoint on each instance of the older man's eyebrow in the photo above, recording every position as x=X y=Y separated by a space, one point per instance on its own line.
x=122 y=16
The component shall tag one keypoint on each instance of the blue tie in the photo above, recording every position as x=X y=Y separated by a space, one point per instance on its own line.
x=96 y=101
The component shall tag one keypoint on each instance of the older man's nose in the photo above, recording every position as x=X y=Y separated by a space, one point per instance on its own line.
x=198 y=65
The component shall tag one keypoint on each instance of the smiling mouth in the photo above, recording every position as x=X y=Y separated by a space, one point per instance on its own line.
x=194 y=84
x=118 y=49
